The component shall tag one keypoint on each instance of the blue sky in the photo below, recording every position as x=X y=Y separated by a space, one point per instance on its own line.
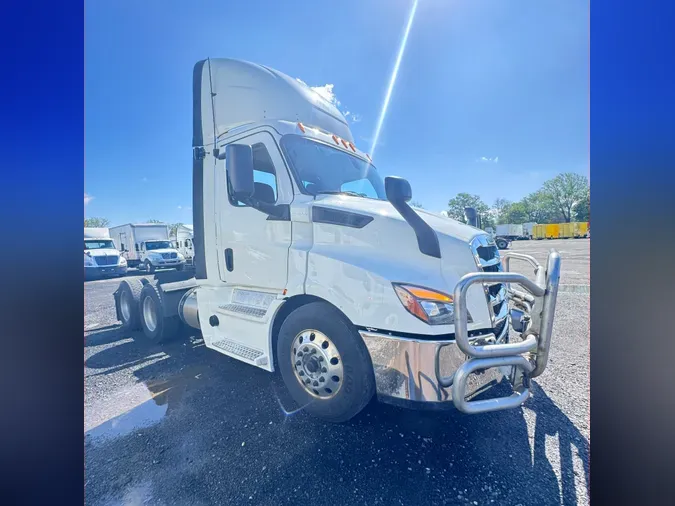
x=491 y=97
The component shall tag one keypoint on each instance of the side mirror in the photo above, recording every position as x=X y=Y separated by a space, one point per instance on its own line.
x=239 y=166
x=397 y=189
x=471 y=216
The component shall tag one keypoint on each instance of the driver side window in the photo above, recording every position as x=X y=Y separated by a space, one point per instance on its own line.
x=264 y=177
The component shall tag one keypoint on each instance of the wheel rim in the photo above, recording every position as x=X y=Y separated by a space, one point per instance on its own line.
x=125 y=306
x=149 y=314
x=317 y=364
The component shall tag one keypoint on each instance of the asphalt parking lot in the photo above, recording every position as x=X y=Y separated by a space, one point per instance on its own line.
x=180 y=424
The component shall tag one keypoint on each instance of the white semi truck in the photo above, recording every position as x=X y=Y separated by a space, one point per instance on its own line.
x=309 y=263
x=185 y=242
x=147 y=246
x=101 y=258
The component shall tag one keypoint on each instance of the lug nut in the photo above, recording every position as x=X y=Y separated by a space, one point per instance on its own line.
x=313 y=351
x=307 y=381
x=323 y=369
x=321 y=359
x=298 y=363
x=316 y=383
x=322 y=379
x=301 y=373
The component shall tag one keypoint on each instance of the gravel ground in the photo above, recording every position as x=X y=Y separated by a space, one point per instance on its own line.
x=184 y=425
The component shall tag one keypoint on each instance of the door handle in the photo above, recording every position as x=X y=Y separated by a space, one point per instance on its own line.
x=229 y=259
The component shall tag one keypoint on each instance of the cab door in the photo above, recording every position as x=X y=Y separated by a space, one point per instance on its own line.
x=253 y=247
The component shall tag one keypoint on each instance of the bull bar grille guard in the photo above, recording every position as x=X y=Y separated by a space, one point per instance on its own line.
x=530 y=356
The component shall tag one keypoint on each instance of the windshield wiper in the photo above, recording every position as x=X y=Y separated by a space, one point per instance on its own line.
x=346 y=192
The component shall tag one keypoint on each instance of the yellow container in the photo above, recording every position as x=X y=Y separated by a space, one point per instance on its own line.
x=539 y=232
x=581 y=229
x=552 y=230
x=567 y=230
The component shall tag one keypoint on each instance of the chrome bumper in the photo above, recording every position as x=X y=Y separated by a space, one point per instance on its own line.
x=459 y=371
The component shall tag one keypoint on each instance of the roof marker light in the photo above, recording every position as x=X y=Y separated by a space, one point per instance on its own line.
x=352 y=147
x=301 y=127
x=369 y=158
x=337 y=141
x=344 y=143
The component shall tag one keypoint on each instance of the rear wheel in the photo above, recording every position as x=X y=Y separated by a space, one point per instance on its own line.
x=502 y=244
x=149 y=267
x=129 y=299
x=324 y=363
x=156 y=327
x=180 y=267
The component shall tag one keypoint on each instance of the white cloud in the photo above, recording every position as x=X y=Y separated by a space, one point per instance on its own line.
x=485 y=159
x=185 y=208
x=87 y=199
x=145 y=179
x=326 y=92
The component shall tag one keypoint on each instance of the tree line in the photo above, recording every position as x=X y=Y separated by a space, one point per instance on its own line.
x=563 y=199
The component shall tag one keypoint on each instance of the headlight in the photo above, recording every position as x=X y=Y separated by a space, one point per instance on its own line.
x=88 y=261
x=430 y=306
x=180 y=256
x=122 y=261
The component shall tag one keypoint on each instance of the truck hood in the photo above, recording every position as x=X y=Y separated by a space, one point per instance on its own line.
x=382 y=208
x=101 y=252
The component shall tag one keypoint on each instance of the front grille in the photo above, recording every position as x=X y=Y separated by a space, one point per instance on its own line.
x=106 y=259
x=488 y=261
x=500 y=326
x=168 y=256
x=487 y=253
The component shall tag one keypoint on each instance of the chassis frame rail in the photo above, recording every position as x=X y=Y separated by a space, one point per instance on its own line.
x=536 y=308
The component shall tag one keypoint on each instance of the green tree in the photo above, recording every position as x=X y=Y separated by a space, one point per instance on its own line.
x=456 y=208
x=96 y=222
x=518 y=212
x=582 y=211
x=540 y=208
x=566 y=191
x=416 y=204
x=154 y=221
x=500 y=210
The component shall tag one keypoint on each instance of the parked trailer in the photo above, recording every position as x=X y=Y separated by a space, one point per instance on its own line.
x=347 y=297
x=552 y=230
x=147 y=246
x=539 y=232
x=581 y=229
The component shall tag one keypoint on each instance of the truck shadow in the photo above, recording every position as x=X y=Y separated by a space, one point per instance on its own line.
x=211 y=405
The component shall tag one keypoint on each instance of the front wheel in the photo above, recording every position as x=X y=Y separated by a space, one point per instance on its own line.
x=149 y=267
x=180 y=267
x=324 y=363
x=502 y=244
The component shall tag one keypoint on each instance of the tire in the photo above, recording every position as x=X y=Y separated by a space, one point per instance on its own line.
x=502 y=244
x=156 y=327
x=180 y=267
x=149 y=267
x=353 y=369
x=129 y=302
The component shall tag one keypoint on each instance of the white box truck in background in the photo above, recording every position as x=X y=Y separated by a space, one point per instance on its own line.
x=527 y=229
x=147 y=246
x=510 y=231
x=310 y=263
x=185 y=242
x=101 y=258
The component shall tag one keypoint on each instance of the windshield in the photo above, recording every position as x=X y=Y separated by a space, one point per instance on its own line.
x=320 y=168
x=98 y=244
x=157 y=245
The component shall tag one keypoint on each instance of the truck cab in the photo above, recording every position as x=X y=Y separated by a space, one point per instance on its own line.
x=159 y=254
x=101 y=257
x=308 y=261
